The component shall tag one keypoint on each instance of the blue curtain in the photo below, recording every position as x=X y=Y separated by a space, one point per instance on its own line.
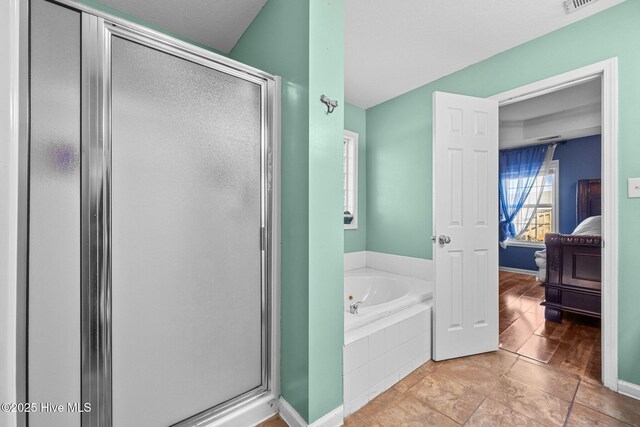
x=518 y=171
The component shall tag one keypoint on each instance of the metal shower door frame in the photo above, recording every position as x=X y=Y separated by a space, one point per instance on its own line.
x=96 y=388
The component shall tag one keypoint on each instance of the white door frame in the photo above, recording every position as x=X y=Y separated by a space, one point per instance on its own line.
x=608 y=71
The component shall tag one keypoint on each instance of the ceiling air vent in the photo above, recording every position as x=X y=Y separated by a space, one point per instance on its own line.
x=549 y=138
x=573 y=5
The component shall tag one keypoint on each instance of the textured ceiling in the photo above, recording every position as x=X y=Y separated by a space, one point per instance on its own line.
x=392 y=47
x=215 y=23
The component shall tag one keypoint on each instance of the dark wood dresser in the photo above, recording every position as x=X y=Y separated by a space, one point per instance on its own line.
x=573 y=276
x=574 y=262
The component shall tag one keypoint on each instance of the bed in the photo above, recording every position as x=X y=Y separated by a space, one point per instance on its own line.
x=572 y=263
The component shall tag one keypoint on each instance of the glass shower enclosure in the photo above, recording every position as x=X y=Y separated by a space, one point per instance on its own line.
x=151 y=225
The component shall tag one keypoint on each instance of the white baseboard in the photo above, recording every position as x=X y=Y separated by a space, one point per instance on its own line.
x=629 y=389
x=290 y=416
x=519 y=270
x=334 y=418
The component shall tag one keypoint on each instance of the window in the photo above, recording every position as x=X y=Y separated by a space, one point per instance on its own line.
x=545 y=218
x=350 y=180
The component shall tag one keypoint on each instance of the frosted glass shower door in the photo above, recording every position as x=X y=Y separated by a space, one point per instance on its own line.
x=187 y=279
x=54 y=213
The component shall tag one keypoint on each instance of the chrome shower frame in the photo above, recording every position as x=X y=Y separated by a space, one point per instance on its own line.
x=98 y=28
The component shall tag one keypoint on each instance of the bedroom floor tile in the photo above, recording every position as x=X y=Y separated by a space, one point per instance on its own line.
x=517 y=308
x=594 y=368
x=573 y=345
x=577 y=359
x=539 y=348
x=503 y=325
x=553 y=330
x=535 y=292
x=519 y=332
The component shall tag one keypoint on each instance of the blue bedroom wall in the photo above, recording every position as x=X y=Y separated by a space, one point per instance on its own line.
x=518 y=257
x=578 y=159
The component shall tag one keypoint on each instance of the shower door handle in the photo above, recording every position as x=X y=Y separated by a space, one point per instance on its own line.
x=444 y=240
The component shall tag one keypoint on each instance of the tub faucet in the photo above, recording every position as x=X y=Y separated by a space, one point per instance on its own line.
x=353 y=307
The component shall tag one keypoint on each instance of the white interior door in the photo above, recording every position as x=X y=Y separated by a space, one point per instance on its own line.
x=465 y=225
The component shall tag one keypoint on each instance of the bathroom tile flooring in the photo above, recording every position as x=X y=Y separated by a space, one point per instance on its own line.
x=573 y=345
x=494 y=389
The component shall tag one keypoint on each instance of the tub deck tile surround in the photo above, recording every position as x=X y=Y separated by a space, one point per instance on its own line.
x=523 y=395
x=389 y=340
x=418 y=268
x=378 y=361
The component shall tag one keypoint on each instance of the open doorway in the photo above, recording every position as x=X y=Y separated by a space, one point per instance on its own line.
x=551 y=263
x=465 y=173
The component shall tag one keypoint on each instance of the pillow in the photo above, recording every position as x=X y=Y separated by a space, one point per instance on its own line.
x=591 y=226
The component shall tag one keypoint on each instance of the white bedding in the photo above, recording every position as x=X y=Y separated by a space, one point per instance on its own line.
x=591 y=226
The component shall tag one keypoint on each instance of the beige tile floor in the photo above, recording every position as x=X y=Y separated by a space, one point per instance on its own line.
x=494 y=389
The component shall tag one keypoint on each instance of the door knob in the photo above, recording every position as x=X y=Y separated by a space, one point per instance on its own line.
x=444 y=240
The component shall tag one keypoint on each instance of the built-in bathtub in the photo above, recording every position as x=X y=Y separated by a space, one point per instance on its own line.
x=381 y=294
x=389 y=336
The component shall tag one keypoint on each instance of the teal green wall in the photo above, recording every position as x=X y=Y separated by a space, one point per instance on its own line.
x=326 y=237
x=399 y=147
x=284 y=50
x=296 y=40
x=355 y=120
x=399 y=175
